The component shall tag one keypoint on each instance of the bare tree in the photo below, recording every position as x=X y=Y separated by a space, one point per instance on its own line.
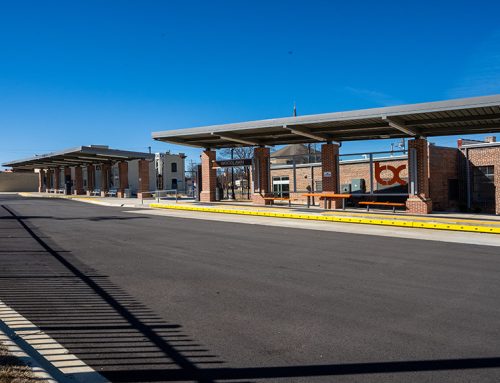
x=238 y=153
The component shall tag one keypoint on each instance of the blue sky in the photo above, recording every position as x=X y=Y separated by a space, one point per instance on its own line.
x=111 y=72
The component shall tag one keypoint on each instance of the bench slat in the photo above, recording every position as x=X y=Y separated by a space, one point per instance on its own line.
x=381 y=203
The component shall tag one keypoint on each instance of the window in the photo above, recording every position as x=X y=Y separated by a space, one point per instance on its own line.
x=281 y=186
x=483 y=188
x=318 y=186
x=174 y=167
x=174 y=183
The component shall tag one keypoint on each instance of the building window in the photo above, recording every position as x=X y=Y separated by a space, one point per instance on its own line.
x=174 y=183
x=483 y=187
x=174 y=167
x=281 y=186
x=318 y=186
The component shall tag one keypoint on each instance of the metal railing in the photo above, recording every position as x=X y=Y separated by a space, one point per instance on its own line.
x=157 y=194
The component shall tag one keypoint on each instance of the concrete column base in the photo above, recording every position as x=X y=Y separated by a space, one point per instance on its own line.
x=103 y=193
x=335 y=203
x=258 y=199
x=144 y=195
x=418 y=205
x=120 y=193
x=207 y=196
x=78 y=192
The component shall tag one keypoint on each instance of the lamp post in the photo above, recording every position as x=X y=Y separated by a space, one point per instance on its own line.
x=232 y=176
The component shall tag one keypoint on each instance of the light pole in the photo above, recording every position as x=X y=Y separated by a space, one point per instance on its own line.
x=232 y=175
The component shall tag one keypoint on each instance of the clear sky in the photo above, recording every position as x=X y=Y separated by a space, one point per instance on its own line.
x=111 y=72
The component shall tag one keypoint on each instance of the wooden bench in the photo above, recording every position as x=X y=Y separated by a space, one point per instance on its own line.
x=328 y=197
x=272 y=199
x=394 y=205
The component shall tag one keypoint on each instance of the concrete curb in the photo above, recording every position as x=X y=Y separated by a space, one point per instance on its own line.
x=368 y=221
x=46 y=356
x=13 y=348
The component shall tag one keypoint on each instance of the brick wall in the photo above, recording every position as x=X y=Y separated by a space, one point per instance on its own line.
x=487 y=156
x=443 y=169
x=348 y=172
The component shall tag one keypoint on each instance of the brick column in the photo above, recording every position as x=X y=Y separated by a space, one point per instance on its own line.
x=208 y=176
x=49 y=178
x=41 y=180
x=262 y=172
x=57 y=178
x=330 y=176
x=67 y=172
x=123 y=174
x=78 y=187
x=90 y=179
x=105 y=172
x=143 y=179
x=418 y=152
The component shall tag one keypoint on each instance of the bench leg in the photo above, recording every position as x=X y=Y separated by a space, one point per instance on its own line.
x=367 y=207
x=289 y=203
x=343 y=203
x=308 y=202
x=394 y=209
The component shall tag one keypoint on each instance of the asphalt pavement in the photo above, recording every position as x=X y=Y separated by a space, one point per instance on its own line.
x=154 y=298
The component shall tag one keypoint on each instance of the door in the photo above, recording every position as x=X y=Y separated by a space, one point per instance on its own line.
x=281 y=186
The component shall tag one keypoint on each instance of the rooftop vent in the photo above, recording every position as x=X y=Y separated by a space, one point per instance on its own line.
x=100 y=146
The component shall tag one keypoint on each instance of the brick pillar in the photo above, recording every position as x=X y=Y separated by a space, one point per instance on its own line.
x=418 y=152
x=57 y=178
x=49 y=178
x=90 y=179
x=67 y=172
x=123 y=174
x=78 y=187
x=262 y=172
x=41 y=180
x=208 y=176
x=143 y=179
x=105 y=173
x=330 y=176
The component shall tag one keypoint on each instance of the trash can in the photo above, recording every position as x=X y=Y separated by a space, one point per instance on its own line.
x=218 y=193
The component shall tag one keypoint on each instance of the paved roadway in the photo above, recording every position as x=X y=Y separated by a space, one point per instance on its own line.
x=153 y=298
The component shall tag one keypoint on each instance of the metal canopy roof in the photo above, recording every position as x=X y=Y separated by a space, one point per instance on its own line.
x=81 y=155
x=452 y=117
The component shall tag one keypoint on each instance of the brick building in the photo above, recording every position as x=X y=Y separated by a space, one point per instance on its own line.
x=449 y=189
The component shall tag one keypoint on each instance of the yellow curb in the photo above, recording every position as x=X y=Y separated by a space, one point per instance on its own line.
x=369 y=221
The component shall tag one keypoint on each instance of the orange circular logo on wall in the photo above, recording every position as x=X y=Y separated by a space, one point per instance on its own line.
x=396 y=171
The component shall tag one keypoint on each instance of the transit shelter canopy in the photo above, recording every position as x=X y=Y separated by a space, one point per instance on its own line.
x=79 y=156
x=452 y=117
